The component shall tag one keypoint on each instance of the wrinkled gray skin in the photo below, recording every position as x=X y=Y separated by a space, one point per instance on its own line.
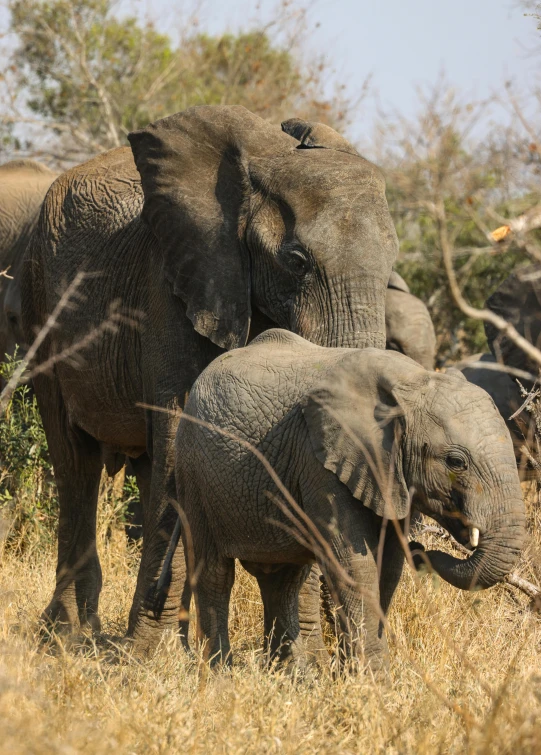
x=517 y=300
x=408 y=324
x=214 y=226
x=318 y=415
x=408 y=329
x=504 y=391
x=23 y=185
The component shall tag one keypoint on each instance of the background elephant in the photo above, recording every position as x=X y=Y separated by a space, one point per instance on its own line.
x=215 y=225
x=346 y=426
x=408 y=325
x=517 y=300
x=23 y=185
x=504 y=391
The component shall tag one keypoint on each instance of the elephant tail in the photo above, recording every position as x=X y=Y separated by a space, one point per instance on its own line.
x=327 y=603
x=157 y=594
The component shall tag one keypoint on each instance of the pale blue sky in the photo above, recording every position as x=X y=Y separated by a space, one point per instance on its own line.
x=402 y=43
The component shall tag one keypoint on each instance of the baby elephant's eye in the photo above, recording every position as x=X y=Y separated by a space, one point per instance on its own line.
x=456 y=461
x=297 y=262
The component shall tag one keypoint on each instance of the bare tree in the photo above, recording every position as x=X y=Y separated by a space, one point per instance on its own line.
x=78 y=77
x=453 y=176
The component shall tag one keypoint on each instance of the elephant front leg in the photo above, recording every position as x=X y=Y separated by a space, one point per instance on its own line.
x=77 y=464
x=355 y=589
x=310 y=620
x=78 y=573
x=392 y=566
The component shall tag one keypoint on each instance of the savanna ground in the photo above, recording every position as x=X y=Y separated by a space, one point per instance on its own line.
x=465 y=667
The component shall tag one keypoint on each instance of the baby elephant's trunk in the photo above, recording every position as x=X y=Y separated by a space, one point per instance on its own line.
x=492 y=560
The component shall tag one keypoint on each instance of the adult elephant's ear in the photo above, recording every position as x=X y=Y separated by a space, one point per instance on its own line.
x=357 y=423
x=317 y=136
x=193 y=174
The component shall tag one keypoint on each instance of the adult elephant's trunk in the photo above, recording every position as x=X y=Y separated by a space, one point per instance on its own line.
x=348 y=315
x=492 y=560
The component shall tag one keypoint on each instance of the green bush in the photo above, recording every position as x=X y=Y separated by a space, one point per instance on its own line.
x=28 y=495
x=28 y=498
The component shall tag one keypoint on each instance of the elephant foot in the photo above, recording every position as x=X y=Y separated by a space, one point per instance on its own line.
x=374 y=666
x=63 y=616
x=147 y=627
x=284 y=658
x=145 y=635
x=316 y=652
x=293 y=667
x=157 y=613
x=379 y=671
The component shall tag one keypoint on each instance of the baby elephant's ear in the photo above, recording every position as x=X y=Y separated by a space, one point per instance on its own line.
x=355 y=426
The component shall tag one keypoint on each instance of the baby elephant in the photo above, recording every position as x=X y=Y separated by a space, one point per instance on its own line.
x=354 y=435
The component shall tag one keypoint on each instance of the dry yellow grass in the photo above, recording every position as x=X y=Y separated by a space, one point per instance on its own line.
x=466 y=676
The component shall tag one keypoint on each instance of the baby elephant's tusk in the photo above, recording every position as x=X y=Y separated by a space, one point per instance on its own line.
x=474 y=537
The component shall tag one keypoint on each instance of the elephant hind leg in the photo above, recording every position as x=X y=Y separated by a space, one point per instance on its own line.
x=280 y=595
x=212 y=592
x=77 y=464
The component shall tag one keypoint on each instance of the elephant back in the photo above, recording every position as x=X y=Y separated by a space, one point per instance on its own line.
x=23 y=185
x=268 y=378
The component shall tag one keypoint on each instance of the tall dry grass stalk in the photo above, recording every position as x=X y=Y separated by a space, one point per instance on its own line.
x=475 y=687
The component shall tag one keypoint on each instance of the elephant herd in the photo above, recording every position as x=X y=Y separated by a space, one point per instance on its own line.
x=234 y=296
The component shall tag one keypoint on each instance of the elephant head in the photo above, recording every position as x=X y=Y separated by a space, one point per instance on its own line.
x=393 y=431
x=408 y=325
x=289 y=223
x=517 y=300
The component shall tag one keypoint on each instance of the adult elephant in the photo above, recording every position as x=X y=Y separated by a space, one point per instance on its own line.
x=517 y=300
x=23 y=185
x=408 y=325
x=214 y=226
x=482 y=370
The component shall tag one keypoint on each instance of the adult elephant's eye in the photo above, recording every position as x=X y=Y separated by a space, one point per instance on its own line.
x=456 y=461
x=296 y=262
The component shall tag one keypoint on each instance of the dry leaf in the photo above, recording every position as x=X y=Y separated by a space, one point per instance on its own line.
x=500 y=233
